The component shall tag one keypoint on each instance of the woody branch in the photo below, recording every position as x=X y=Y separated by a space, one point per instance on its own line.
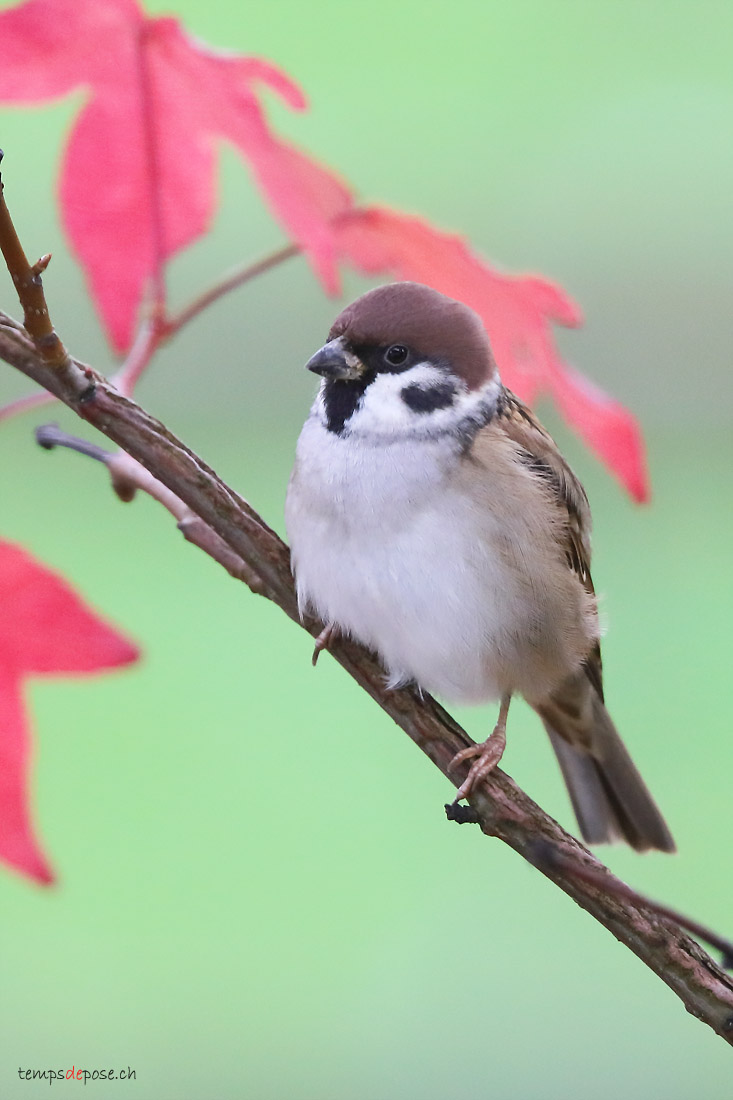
x=229 y=527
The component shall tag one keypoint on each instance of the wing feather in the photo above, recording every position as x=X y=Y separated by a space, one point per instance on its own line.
x=536 y=447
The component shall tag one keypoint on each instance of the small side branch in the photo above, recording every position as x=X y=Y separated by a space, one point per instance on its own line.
x=128 y=477
x=29 y=288
x=25 y=404
x=157 y=329
x=546 y=858
x=146 y=344
x=227 y=284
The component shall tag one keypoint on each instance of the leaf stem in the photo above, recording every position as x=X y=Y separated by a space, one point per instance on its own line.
x=146 y=343
x=156 y=330
x=226 y=284
x=152 y=164
x=25 y=404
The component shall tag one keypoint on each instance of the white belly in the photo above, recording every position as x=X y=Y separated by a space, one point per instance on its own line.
x=384 y=547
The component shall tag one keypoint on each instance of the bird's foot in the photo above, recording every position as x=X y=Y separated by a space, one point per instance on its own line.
x=325 y=640
x=485 y=756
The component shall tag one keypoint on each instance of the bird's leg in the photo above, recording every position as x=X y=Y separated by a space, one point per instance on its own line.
x=325 y=639
x=488 y=754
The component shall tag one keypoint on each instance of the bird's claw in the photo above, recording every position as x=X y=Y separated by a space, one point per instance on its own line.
x=486 y=756
x=325 y=640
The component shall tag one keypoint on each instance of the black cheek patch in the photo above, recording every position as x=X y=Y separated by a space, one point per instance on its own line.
x=426 y=399
x=342 y=399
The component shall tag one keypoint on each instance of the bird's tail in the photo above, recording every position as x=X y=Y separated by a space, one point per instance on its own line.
x=610 y=799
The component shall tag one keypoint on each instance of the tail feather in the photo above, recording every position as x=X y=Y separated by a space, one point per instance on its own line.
x=609 y=797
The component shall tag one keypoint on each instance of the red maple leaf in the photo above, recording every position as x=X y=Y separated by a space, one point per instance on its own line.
x=518 y=313
x=45 y=628
x=137 y=185
x=137 y=179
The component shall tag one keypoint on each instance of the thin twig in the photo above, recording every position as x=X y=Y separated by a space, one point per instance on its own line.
x=25 y=404
x=599 y=876
x=228 y=283
x=49 y=436
x=145 y=345
x=156 y=330
x=128 y=476
x=29 y=288
x=242 y=275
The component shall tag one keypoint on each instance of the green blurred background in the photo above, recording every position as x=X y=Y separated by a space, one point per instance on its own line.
x=258 y=893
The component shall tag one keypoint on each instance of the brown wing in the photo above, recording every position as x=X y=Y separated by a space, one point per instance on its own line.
x=539 y=450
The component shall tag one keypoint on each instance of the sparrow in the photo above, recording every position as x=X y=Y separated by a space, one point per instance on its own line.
x=433 y=519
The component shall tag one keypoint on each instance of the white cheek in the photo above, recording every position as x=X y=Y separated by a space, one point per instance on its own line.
x=382 y=408
x=382 y=411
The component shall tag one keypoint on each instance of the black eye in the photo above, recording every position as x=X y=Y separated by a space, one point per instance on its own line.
x=396 y=355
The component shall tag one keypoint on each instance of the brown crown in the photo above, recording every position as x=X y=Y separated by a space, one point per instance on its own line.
x=433 y=325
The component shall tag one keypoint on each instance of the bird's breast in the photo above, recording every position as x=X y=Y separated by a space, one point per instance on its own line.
x=387 y=547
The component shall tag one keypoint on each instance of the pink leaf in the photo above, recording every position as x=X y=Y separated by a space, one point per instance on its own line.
x=137 y=180
x=518 y=313
x=45 y=628
x=19 y=846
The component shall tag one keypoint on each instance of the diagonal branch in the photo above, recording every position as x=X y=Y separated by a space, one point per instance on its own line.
x=500 y=807
x=128 y=477
x=224 y=525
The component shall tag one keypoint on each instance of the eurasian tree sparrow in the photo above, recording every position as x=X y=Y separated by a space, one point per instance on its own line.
x=432 y=518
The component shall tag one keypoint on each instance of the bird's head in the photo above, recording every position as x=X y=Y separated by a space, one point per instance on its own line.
x=403 y=359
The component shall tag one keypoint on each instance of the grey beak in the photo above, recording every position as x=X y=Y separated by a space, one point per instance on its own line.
x=336 y=362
